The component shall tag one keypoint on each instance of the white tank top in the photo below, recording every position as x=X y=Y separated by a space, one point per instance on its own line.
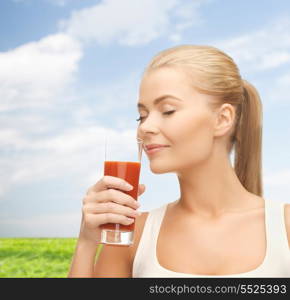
x=276 y=262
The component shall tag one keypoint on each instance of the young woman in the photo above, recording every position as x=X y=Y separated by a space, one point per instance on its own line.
x=194 y=104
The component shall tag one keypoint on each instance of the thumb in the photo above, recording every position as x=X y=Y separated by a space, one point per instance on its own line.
x=141 y=189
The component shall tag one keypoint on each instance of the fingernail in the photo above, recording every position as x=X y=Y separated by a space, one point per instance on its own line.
x=129 y=186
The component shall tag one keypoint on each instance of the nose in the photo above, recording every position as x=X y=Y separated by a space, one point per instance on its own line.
x=148 y=126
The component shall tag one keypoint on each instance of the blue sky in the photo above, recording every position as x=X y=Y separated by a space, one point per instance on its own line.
x=65 y=65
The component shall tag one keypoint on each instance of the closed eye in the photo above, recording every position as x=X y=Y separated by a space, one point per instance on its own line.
x=165 y=113
x=169 y=112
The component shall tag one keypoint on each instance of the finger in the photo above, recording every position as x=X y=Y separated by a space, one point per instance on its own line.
x=108 y=182
x=110 y=207
x=93 y=221
x=111 y=195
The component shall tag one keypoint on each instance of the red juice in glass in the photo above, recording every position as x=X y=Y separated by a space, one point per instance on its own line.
x=129 y=170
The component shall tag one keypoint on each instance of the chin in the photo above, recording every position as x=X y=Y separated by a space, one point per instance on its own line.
x=159 y=171
x=160 y=168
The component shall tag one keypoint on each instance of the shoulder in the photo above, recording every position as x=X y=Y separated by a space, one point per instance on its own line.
x=287 y=221
x=140 y=224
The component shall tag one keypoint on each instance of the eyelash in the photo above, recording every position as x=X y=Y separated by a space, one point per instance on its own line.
x=165 y=113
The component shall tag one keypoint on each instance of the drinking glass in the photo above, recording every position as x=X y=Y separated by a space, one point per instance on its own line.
x=123 y=155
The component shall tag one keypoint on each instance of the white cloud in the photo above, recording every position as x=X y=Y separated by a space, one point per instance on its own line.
x=44 y=158
x=131 y=22
x=262 y=49
x=284 y=80
x=37 y=73
x=115 y=96
x=77 y=153
x=26 y=122
x=53 y=225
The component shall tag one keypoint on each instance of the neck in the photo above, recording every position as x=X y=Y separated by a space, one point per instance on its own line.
x=213 y=188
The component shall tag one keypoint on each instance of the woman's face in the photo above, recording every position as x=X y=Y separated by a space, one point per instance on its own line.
x=185 y=124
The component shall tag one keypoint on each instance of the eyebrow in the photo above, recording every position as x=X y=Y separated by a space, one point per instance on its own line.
x=158 y=100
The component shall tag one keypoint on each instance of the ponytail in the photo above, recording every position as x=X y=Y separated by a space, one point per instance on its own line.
x=248 y=141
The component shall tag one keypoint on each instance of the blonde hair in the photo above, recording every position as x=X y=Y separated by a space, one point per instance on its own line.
x=213 y=72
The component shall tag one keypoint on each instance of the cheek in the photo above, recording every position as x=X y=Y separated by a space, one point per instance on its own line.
x=193 y=140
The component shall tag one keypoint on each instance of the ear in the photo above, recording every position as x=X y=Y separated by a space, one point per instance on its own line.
x=225 y=118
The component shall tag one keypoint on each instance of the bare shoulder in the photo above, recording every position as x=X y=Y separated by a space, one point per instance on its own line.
x=287 y=221
x=117 y=261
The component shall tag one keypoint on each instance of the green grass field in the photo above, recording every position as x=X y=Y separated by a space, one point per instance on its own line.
x=36 y=257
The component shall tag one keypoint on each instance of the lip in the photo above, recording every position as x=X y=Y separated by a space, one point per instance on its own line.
x=153 y=148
